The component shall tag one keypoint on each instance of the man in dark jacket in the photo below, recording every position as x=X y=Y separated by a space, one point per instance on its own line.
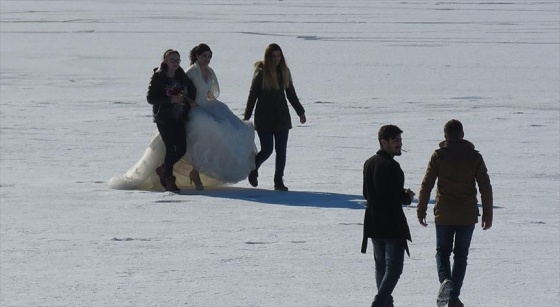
x=457 y=166
x=384 y=221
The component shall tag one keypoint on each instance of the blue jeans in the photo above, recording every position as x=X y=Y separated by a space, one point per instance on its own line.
x=277 y=140
x=389 y=261
x=445 y=234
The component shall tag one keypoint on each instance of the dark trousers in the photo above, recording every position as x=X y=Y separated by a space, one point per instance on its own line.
x=389 y=261
x=277 y=140
x=174 y=137
x=445 y=235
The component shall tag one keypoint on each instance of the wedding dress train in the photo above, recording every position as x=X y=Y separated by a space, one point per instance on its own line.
x=219 y=145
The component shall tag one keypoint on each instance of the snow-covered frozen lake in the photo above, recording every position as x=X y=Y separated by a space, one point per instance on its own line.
x=73 y=114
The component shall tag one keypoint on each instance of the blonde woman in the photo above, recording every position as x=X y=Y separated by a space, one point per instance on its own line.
x=271 y=85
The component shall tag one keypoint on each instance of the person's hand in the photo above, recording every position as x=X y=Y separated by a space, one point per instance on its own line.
x=410 y=194
x=422 y=221
x=486 y=224
x=302 y=118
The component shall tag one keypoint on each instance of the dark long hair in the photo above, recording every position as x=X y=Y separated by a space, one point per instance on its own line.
x=198 y=50
x=163 y=66
x=168 y=52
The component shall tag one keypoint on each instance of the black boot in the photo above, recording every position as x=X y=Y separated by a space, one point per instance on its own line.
x=377 y=302
x=279 y=185
x=455 y=302
x=160 y=171
x=253 y=181
x=170 y=185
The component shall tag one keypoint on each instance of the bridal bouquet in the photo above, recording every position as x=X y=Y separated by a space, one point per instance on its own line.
x=174 y=89
x=179 y=109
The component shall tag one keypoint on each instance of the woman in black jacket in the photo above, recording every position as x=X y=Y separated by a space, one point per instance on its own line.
x=272 y=83
x=170 y=93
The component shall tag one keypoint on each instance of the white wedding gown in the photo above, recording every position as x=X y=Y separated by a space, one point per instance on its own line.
x=219 y=145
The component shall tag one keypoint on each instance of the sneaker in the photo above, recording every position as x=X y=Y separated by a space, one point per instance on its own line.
x=455 y=302
x=443 y=294
x=253 y=181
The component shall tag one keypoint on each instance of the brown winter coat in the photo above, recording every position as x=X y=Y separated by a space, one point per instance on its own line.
x=457 y=166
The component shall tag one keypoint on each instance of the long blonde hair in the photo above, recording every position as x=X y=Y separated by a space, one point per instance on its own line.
x=270 y=79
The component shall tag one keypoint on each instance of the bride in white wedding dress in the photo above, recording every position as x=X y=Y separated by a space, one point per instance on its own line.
x=220 y=146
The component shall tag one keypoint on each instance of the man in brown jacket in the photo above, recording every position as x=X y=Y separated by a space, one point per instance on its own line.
x=457 y=166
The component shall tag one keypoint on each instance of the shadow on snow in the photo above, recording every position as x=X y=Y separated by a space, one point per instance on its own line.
x=291 y=198
x=294 y=198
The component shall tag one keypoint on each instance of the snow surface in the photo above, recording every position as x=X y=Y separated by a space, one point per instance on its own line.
x=74 y=75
